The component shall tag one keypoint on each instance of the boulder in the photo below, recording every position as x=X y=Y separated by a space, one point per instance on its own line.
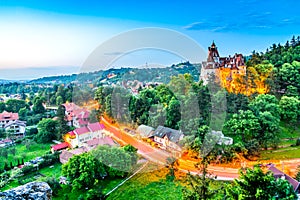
x=29 y=191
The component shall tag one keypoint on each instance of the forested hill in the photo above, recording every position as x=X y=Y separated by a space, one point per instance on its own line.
x=285 y=63
x=140 y=74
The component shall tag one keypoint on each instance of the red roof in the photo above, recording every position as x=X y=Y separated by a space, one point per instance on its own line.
x=9 y=116
x=60 y=146
x=101 y=141
x=82 y=130
x=96 y=127
x=70 y=106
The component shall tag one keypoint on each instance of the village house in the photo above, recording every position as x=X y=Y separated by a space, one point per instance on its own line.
x=76 y=116
x=7 y=117
x=168 y=138
x=145 y=132
x=79 y=136
x=279 y=174
x=16 y=128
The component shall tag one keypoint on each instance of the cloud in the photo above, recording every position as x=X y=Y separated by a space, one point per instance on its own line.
x=248 y=21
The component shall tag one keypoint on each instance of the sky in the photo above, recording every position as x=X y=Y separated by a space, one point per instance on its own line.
x=42 y=38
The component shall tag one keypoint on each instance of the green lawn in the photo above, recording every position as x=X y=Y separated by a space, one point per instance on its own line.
x=27 y=154
x=54 y=171
x=105 y=185
x=155 y=190
x=280 y=154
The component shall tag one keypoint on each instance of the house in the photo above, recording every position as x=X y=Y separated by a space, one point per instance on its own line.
x=79 y=136
x=91 y=144
x=279 y=174
x=66 y=155
x=221 y=139
x=168 y=138
x=59 y=147
x=76 y=116
x=7 y=117
x=16 y=128
x=145 y=131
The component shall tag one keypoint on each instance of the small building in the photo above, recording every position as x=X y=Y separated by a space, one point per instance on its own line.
x=145 y=131
x=168 y=138
x=221 y=139
x=66 y=155
x=7 y=117
x=16 y=128
x=59 y=147
x=79 y=136
x=92 y=144
x=279 y=174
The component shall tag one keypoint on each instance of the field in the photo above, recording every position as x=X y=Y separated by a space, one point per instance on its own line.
x=22 y=152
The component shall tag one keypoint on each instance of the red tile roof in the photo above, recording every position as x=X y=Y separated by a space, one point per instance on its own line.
x=96 y=127
x=82 y=130
x=60 y=146
x=101 y=141
x=9 y=116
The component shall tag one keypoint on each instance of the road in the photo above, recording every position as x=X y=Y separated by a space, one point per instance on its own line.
x=159 y=156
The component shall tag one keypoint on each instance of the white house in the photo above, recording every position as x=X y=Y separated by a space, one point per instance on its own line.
x=16 y=128
x=168 y=138
x=7 y=117
x=80 y=136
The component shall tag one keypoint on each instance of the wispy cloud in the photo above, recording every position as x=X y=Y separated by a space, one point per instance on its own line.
x=248 y=21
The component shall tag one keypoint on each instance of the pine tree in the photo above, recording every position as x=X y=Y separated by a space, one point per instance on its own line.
x=293 y=41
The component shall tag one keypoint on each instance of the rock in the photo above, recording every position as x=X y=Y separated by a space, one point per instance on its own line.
x=29 y=191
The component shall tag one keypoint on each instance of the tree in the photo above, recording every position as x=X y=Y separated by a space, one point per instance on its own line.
x=83 y=171
x=62 y=127
x=254 y=184
x=94 y=194
x=47 y=131
x=38 y=107
x=59 y=100
x=200 y=185
x=117 y=161
x=265 y=102
x=244 y=124
x=2 y=107
x=14 y=105
x=173 y=114
x=289 y=109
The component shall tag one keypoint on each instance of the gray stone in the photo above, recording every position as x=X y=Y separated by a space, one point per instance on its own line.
x=29 y=191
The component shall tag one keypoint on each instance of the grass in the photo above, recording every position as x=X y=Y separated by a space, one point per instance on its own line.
x=105 y=185
x=281 y=154
x=40 y=175
x=35 y=150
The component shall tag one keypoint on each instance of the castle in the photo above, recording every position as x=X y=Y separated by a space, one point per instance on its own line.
x=224 y=68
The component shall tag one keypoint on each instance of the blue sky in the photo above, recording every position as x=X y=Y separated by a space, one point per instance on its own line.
x=55 y=34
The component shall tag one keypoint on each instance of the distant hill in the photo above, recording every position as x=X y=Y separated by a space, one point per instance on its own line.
x=116 y=75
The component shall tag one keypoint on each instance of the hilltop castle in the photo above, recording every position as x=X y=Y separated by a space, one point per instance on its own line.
x=224 y=68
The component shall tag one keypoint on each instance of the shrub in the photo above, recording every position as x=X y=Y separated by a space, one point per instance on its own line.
x=298 y=142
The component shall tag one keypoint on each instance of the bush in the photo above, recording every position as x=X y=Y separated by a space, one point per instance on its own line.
x=49 y=159
x=93 y=194
x=54 y=184
x=28 y=169
x=298 y=142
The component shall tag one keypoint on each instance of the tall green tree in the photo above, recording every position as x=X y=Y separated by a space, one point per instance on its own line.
x=47 y=131
x=83 y=171
x=254 y=184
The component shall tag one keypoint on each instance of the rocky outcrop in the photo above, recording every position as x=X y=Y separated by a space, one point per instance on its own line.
x=29 y=191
